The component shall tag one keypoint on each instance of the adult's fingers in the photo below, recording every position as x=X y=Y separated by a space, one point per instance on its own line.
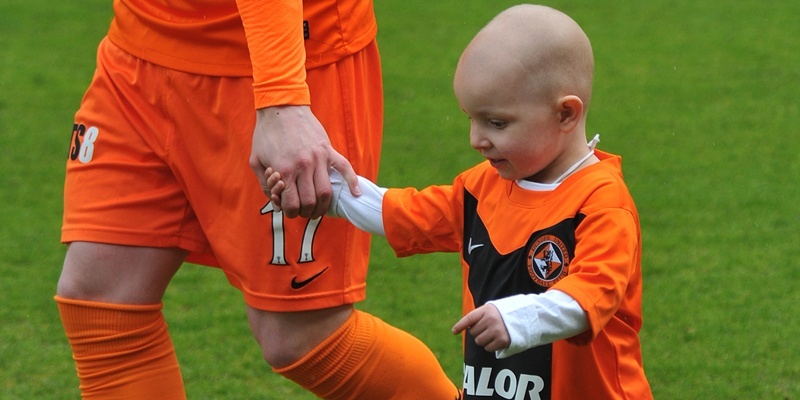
x=290 y=202
x=313 y=194
x=323 y=191
x=342 y=164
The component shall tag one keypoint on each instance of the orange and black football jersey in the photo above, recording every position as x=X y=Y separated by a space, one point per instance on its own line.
x=582 y=238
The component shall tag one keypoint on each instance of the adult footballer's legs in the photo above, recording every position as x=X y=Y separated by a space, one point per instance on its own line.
x=334 y=351
x=109 y=299
x=360 y=357
x=118 y=189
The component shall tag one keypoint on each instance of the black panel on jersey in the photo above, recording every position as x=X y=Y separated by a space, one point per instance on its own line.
x=494 y=276
x=509 y=273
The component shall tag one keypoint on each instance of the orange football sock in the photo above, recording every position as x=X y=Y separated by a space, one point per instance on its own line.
x=121 y=351
x=368 y=359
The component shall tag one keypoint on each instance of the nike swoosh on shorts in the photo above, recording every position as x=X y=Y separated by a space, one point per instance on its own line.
x=301 y=284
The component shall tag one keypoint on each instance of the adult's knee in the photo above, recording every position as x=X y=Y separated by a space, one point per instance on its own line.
x=282 y=353
x=117 y=274
x=286 y=337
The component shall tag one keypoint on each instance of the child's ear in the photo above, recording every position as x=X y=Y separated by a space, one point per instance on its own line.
x=571 y=112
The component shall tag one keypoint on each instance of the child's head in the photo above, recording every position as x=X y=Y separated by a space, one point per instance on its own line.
x=525 y=81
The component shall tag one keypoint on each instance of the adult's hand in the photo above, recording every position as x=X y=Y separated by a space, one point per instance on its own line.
x=291 y=141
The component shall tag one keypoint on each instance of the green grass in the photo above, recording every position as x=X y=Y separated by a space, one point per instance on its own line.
x=700 y=98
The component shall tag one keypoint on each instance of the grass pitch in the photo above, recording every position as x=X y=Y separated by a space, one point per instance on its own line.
x=699 y=97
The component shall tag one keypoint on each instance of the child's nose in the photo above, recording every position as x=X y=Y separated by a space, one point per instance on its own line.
x=477 y=140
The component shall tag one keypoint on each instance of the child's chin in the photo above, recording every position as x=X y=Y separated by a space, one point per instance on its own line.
x=507 y=175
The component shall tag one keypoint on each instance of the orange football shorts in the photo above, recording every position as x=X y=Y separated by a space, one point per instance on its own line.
x=159 y=158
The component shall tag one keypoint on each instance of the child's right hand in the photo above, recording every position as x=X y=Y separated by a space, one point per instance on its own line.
x=275 y=186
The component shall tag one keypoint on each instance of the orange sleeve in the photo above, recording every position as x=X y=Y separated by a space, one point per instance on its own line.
x=274 y=31
x=422 y=221
x=606 y=268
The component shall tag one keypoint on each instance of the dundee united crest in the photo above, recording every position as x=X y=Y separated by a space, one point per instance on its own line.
x=548 y=260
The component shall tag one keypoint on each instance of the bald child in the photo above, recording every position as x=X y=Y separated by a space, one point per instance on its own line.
x=548 y=233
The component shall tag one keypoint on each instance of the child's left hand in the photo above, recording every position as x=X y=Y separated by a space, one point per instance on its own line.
x=486 y=324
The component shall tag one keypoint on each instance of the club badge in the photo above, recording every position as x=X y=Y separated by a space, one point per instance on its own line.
x=548 y=260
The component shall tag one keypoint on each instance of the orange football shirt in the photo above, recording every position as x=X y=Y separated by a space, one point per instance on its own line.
x=582 y=238
x=274 y=41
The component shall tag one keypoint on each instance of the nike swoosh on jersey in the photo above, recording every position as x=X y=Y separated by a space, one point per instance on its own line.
x=471 y=246
x=300 y=284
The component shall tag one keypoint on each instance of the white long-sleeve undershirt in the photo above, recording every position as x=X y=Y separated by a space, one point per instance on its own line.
x=530 y=319
x=536 y=319
x=364 y=211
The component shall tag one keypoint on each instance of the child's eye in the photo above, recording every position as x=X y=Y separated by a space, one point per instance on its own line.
x=496 y=123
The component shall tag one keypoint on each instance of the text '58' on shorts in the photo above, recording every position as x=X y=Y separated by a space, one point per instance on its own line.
x=159 y=158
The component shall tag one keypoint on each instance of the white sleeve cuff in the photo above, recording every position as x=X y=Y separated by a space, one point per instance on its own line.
x=532 y=320
x=365 y=211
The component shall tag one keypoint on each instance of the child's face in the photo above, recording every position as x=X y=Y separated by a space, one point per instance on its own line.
x=516 y=129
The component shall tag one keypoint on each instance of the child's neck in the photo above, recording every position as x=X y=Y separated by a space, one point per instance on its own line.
x=585 y=160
